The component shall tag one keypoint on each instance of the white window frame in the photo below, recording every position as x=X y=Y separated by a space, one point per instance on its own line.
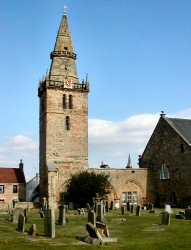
x=164 y=172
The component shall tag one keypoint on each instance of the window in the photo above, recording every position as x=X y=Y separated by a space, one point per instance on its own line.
x=135 y=197
x=70 y=102
x=64 y=102
x=129 y=197
x=15 y=189
x=164 y=173
x=67 y=123
x=2 y=189
x=124 y=197
x=65 y=48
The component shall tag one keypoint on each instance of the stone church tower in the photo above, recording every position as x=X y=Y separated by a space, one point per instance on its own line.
x=63 y=119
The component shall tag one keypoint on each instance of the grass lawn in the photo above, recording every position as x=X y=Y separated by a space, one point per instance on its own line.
x=144 y=232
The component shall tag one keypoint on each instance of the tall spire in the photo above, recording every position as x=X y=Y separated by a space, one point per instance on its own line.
x=64 y=39
x=129 y=164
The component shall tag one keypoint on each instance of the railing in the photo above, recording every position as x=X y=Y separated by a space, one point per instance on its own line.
x=63 y=53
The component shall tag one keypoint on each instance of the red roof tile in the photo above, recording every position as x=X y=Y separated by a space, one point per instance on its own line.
x=12 y=175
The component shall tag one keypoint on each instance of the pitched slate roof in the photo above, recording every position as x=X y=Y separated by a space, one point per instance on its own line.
x=12 y=175
x=182 y=127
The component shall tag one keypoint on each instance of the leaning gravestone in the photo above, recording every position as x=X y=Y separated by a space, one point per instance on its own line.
x=106 y=206
x=128 y=206
x=138 y=210
x=92 y=217
x=49 y=223
x=16 y=212
x=165 y=218
x=62 y=215
x=111 y=205
x=168 y=209
x=21 y=223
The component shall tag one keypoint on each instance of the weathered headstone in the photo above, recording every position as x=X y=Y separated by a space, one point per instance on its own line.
x=103 y=227
x=16 y=212
x=92 y=217
x=111 y=205
x=165 y=218
x=99 y=212
x=128 y=206
x=107 y=206
x=21 y=223
x=62 y=215
x=49 y=223
x=123 y=210
x=32 y=230
x=138 y=210
x=132 y=208
x=188 y=213
x=168 y=209
x=103 y=206
x=81 y=211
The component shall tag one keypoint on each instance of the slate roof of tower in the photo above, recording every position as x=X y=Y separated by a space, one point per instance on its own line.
x=12 y=175
x=182 y=127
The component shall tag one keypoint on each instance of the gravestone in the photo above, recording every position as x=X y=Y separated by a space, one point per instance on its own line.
x=168 y=209
x=26 y=214
x=107 y=206
x=21 y=223
x=188 y=213
x=99 y=212
x=16 y=212
x=128 y=206
x=132 y=208
x=138 y=210
x=49 y=223
x=81 y=211
x=165 y=218
x=92 y=217
x=62 y=215
x=103 y=227
x=123 y=210
x=103 y=207
x=111 y=205
x=32 y=230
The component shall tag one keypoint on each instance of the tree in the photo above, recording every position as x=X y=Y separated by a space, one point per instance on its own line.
x=85 y=186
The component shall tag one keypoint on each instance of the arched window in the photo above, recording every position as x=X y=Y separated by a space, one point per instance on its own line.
x=64 y=102
x=67 y=123
x=70 y=102
x=164 y=173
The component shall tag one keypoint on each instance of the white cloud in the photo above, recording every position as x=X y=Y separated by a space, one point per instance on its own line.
x=20 y=147
x=113 y=141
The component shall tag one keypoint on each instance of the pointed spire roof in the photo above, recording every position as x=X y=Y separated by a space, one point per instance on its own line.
x=64 y=39
x=129 y=164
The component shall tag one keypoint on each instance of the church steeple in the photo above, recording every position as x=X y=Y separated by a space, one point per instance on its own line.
x=64 y=39
x=63 y=72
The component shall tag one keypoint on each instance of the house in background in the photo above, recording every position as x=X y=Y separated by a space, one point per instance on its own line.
x=32 y=189
x=168 y=155
x=12 y=184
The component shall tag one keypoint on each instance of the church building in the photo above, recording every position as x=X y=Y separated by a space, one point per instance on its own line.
x=164 y=173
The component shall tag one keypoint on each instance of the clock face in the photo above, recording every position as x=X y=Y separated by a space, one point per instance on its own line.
x=68 y=83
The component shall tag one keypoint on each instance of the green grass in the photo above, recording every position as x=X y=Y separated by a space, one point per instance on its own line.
x=144 y=232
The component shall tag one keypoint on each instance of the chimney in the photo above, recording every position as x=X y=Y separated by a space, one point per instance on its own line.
x=21 y=165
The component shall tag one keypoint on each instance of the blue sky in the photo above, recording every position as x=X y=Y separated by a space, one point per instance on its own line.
x=137 y=55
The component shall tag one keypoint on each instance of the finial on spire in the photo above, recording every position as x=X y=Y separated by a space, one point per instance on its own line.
x=65 y=9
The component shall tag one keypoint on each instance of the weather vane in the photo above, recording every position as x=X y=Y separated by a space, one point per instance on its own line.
x=65 y=9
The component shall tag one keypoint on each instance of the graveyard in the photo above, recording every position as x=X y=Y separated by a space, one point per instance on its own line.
x=130 y=230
